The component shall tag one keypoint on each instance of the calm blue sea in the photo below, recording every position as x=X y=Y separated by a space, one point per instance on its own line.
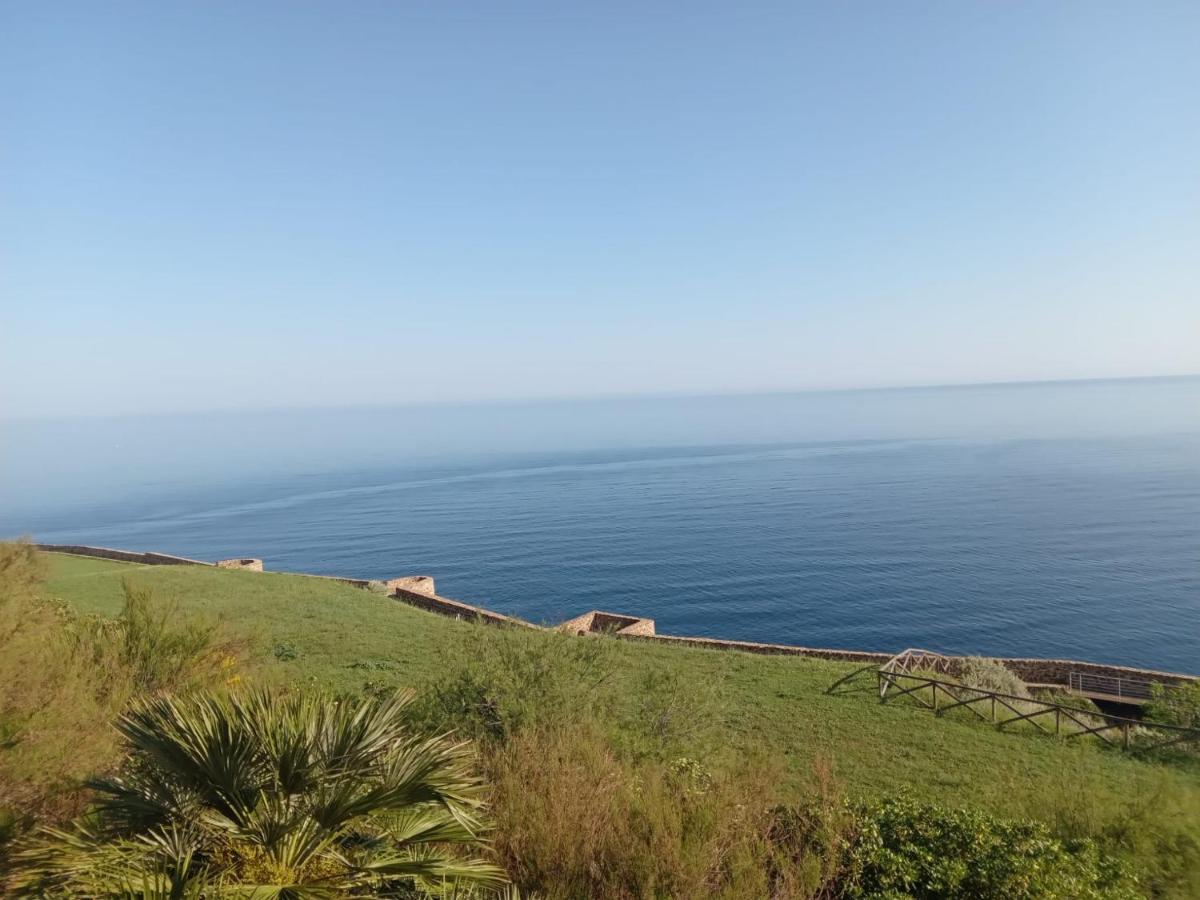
x=1052 y=519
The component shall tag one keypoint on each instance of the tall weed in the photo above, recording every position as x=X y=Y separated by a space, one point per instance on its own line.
x=1155 y=827
x=53 y=718
x=64 y=678
x=153 y=646
x=510 y=679
x=576 y=820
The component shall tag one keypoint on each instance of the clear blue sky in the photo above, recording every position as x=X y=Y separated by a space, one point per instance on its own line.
x=251 y=204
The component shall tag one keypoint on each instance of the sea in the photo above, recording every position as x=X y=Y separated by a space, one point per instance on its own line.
x=1052 y=519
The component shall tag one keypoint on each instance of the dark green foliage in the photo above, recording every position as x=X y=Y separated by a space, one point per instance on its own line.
x=1175 y=704
x=509 y=680
x=278 y=796
x=903 y=848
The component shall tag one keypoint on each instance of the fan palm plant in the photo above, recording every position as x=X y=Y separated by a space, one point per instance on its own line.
x=263 y=795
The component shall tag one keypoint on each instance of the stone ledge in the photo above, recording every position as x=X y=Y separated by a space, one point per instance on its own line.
x=149 y=559
x=247 y=564
x=765 y=649
x=456 y=609
x=597 y=622
x=418 y=584
x=419 y=591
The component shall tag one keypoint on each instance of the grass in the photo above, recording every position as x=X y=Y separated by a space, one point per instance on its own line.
x=65 y=677
x=721 y=706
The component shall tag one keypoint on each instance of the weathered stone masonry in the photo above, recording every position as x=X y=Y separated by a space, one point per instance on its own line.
x=420 y=591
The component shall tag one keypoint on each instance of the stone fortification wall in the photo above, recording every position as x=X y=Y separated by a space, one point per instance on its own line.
x=245 y=564
x=419 y=584
x=766 y=649
x=149 y=559
x=420 y=591
x=1057 y=671
x=353 y=582
x=455 y=609
x=597 y=622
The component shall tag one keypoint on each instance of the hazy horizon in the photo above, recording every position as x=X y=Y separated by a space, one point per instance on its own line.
x=550 y=399
x=220 y=206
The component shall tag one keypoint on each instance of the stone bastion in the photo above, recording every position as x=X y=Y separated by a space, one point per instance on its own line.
x=420 y=591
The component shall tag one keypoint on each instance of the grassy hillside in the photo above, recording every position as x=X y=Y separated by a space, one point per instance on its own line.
x=717 y=706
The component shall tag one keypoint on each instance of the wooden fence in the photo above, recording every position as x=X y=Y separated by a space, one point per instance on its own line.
x=905 y=675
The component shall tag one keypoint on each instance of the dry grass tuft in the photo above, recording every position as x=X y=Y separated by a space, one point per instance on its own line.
x=65 y=678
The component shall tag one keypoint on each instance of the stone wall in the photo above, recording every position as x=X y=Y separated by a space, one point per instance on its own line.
x=1057 y=671
x=419 y=584
x=455 y=609
x=597 y=622
x=148 y=559
x=419 y=591
x=767 y=649
x=247 y=564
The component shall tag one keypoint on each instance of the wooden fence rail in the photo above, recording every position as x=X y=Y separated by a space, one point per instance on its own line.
x=903 y=676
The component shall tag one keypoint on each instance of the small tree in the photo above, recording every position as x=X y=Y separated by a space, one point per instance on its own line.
x=270 y=796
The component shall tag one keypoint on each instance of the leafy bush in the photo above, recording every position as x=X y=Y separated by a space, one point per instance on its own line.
x=904 y=848
x=270 y=795
x=64 y=678
x=1155 y=827
x=1061 y=697
x=672 y=716
x=1175 y=704
x=155 y=647
x=990 y=675
x=510 y=679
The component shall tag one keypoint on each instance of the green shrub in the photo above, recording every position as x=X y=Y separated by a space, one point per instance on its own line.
x=904 y=848
x=671 y=716
x=574 y=819
x=990 y=675
x=1155 y=827
x=509 y=679
x=64 y=678
x=269 y=795
x=1071 y=701
x=155 y=647
x=54 y=709
x=1175 y=704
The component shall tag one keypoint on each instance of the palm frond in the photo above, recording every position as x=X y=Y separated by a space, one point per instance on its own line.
x=272 y=796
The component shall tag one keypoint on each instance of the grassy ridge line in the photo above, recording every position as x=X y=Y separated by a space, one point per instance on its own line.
x=308 y=631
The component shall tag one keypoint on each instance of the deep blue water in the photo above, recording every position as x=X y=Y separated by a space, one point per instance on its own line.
x=1047 y=520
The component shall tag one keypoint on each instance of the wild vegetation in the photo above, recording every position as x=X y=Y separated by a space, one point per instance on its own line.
x=64 y=677
x=1175 y=704
x=268 y=795
x=595 y=767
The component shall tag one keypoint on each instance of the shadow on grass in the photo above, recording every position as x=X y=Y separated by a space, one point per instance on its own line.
x=860 y=681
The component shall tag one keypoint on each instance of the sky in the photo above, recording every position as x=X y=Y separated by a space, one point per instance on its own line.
x=229 y=205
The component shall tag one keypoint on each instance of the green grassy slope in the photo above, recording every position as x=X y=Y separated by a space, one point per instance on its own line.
x=308 y=631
